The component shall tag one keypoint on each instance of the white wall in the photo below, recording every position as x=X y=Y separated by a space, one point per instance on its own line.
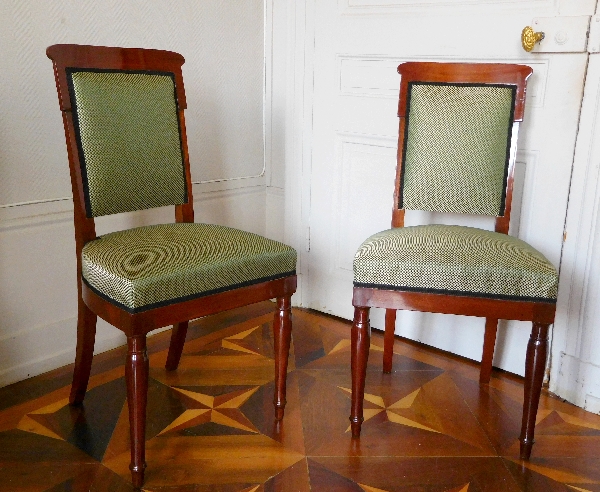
x=223 y=43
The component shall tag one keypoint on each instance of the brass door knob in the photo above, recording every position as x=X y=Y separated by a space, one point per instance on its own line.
x=529 y=37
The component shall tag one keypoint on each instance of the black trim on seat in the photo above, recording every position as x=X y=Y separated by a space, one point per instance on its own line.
x=458 y=293
x=190 y=297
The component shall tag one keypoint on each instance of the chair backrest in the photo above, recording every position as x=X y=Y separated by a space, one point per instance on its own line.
x=123 y=115
x=457 y=140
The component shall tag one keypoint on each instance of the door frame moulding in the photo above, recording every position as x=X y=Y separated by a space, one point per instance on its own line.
x=535 y=7
x=366 y=7
x=574 y=375
x=299 y=78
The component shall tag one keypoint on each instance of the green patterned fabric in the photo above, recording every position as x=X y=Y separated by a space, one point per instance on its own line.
x=457 y=260
x=457 y=148
x=146 y=267
x=128 y=136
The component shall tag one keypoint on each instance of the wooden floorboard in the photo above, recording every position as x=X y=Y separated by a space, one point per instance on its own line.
x=429 y=426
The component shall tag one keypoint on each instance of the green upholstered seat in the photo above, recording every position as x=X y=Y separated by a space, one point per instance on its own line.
x=455 y=260
x=151 y=266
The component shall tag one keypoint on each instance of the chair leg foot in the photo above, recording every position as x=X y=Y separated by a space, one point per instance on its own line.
x=176 y=346
x=361 y=340
x=489 y=343
x=137 y=476
x=282 y=333
x=388 y=340
x=355 y=426
x=535 y=363
x=86 y=335
x=525 y=449
x=136 y=376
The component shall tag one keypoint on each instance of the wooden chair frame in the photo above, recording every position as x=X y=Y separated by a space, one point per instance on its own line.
x=136 y=326
x=540 y=313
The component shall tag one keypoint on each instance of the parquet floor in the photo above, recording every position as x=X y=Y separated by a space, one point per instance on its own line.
x=429 y=425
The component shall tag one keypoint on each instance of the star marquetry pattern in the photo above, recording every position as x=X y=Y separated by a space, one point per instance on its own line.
x=234 y=342
x=345 y=343
x=462 y=488
x=222 y=410
x=29 y=422
x=367 y=488
x=394 y=411
x=215 y=416
x=248 y=489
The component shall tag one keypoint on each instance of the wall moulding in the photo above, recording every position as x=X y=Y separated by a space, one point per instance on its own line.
x=32 y=213
x=366 y=163
x=376 y=75
x=577 y=330
x=526 y=166
x=580 y=383
x=43 y=211
x=59 y=349
x=362 y=7
x=275 y=209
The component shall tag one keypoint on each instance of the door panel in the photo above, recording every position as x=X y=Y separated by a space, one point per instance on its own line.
x=358 y=45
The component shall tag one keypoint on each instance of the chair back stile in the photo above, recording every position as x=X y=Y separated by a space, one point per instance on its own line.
x=185 y=212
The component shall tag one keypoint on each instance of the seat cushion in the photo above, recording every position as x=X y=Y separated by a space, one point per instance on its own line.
x=455 y=260
x=147 y=267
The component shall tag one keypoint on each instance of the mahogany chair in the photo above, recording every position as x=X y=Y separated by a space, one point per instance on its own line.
x=456 y=154
x=123 y=114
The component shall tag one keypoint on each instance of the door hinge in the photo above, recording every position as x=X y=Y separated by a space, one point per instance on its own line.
x=307 y=239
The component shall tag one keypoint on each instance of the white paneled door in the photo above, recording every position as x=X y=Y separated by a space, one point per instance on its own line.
x=353 y=97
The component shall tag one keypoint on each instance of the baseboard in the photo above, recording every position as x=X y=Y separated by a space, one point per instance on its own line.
x=579 y=383
x=57 y=341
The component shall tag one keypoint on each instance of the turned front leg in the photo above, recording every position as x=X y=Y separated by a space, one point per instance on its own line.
x=136 y=376
x=535 y=364
x=282 y=332
x=361 y=340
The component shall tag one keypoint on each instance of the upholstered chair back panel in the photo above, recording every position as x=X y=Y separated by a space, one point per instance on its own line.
x=127 y=130
x=457 y=146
